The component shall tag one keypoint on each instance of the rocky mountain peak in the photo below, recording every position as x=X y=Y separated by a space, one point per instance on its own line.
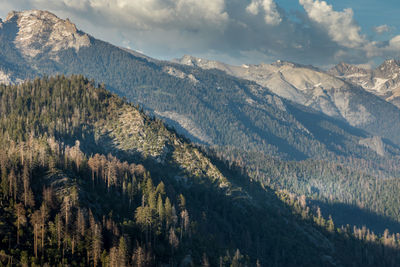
x=383 y=81
x=41 y=31
x=198 y=62
x=345 y=69
x=281 y=63
x=391 y=62
x=388 y=68
x=205 y=64
x=188 y=60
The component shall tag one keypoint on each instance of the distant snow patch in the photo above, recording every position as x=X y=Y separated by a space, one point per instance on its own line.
x=379 y=82
x=355 y=75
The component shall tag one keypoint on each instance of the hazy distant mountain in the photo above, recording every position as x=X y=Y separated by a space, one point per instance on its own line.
x=384 y=81
x=321 y=91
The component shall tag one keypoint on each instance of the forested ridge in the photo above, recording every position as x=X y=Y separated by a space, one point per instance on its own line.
x=350 y=189
x=89 y=179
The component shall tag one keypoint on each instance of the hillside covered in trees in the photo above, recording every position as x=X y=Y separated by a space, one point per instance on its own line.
x=89 y=179
x=282 y=144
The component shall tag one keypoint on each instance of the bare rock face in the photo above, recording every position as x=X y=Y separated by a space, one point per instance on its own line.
x=42 y=31
x=180 y=74
x=343 y=69
x=375 y=143
x=4 y=78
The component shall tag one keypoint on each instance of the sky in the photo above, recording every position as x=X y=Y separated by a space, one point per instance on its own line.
x=321 y=33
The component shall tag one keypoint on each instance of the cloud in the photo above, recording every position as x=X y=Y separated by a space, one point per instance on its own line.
x=394 y=44
x=271 y=14
x=381 y=29
x=147 y=15
x=236 y=31
x=384 y=50
x=340 y=26
x=343 y=29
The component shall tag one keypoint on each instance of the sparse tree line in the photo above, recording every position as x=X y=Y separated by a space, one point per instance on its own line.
x=60 y=206
x=49 y=224
x=65 y=200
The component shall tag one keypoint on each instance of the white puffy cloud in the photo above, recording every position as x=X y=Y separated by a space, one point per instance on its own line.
x=388 y=49
x=340 y=26
x=394 y=43
x=381 y=29
x=236 y=31
x=271 y=14
x=147 y=14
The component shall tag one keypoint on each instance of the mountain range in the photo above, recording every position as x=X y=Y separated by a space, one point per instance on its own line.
x=343 y=92
x=289 y=127
x=209 y=106
x=89 y=179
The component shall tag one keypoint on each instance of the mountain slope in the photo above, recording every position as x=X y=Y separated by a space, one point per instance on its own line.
x=319 y=90
x=215 y=109
x=154 y=199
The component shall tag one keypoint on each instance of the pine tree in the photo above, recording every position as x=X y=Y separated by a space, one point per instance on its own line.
x=204 y=261
x=114 y=257
x=12 y=178
x=236 y=261
x=168 y=213
x=80 y=222
x=97 y=243
x=139 y=257
x=36 y=221
x=21 y=218
x=122 y=253
x=59 y=229
x=44 y=215
x=330 y=224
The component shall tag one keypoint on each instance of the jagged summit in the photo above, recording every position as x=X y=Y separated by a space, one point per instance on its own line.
x=283 y=63
x=344 y=69
x=383 y=81
x=196 y=61
x=34 y=12
x=42 y=31
x=280 y=63
x=388 y=68
x=206 y=64
x=190 y=60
